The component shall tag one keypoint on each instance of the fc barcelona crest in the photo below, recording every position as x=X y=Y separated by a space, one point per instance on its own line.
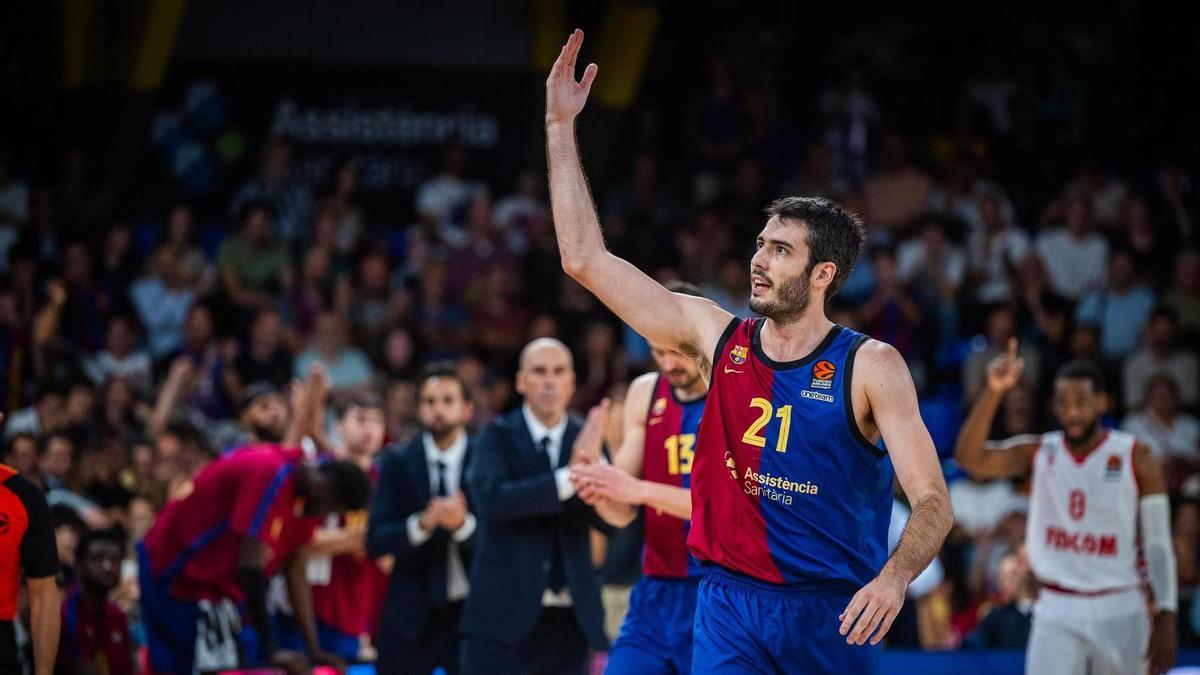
x=738 y=354
x=660 y=406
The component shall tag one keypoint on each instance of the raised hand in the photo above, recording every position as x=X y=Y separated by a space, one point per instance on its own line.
x=1004 y=372
x=591 y=437
x=565 y=97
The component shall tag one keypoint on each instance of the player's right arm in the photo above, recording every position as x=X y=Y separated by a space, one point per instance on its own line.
x=975 y=454
x=689 y=324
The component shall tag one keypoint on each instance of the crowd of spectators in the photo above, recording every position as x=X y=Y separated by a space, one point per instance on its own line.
x=133 y=355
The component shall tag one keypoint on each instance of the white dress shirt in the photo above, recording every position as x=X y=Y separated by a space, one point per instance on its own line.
x=562 y=479
x=452 y=457
x=562 y=476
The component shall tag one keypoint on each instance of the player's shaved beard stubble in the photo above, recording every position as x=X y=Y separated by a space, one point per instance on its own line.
x=792 y=297
x=1088 y=434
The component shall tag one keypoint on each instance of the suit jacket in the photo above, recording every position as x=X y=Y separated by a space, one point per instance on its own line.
x=519 y=510
x=403 y=490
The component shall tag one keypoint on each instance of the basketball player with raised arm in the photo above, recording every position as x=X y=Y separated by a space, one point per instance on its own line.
x=1092 y=487
x=791 y=495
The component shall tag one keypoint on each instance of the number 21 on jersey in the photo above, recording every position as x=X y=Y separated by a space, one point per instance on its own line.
x=753 y=435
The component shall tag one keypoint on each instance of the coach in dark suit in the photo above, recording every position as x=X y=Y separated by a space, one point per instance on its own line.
x=421 y=516
x=535 y=600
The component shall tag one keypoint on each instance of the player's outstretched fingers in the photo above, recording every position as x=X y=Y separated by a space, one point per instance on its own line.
x=851 y=612
x=886 y=625
x=867 y=621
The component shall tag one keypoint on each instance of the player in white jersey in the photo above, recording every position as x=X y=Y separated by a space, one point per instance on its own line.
x=1092 y=489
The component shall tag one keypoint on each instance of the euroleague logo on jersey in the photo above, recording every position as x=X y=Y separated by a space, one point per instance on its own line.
x=1112 y=470
x=823 y=372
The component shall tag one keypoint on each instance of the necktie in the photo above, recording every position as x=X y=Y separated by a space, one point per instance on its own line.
x=441 y=573
x=557 y=576
x=441 y=480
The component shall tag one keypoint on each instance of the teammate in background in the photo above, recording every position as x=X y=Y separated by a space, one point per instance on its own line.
x=213 y=551
x=95 y=637
x=27 y=551
x=1092 y=488
x=653 y=468
x=346 y=598
x=791 y=496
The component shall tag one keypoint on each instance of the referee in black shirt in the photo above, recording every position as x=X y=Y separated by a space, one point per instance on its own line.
x=27 y=549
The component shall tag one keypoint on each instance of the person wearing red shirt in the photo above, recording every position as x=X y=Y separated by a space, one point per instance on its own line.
x=346 y=597
x=246 y=518
x=95 y=639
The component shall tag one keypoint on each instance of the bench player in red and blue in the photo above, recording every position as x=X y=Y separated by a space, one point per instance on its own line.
x=661 y=419
x=791 y=495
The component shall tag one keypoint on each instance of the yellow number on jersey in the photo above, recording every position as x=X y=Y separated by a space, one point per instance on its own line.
x=753 y=435
x=680 y=453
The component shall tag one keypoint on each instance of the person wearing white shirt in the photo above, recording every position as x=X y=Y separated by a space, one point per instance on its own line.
x=1171 y=434
x=1074 y=255
x=535 y=598
x=422 y=515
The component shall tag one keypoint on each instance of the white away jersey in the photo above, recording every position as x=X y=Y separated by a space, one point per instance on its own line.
x=1082 y=531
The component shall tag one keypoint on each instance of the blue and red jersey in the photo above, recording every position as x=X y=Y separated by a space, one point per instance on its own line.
x=96 y=640
x=786 y=489
x=668 y=457
x=196 y=540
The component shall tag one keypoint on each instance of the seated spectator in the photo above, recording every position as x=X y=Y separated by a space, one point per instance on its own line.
x=442 y=200
x=400 y=412
x=95 y=632
x=1183 y=295
x=289 y=199
x=21 y=453
x=199 y=368
x=1105 y=193
x=959 y=195
x=265 y=358
x=1045 y=314
x=317 y=290
x=194 y=268
x=1161 y=355
x=120 y=358
x=162 y=301
x=1008 y=623
x=897 y=193
x=931 y=261
x=346 y=366
x=1000 y=328
x=993 y=252
x=891 y=314
x=43 y=417
x=1173 y=435
x=254 y=267
x=58 y=474
x=1120 y=308
x=1074 y=255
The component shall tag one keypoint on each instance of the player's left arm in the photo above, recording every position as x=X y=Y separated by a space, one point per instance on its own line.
x=1154 y=510
x=300 y=596
x=892 y=401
